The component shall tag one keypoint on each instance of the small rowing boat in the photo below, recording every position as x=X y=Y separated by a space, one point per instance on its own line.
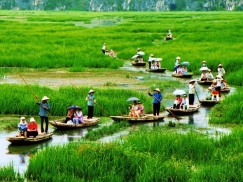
x=204 y=82
x=138 y=63
x=190 y=110
x=189 y=75
x=159 y=70
x=208 y=102
x=225 y=90
x=144 y=118
x=60 y=124
x=16 y=140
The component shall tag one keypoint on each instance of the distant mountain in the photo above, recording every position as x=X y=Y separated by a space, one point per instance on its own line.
x=123 y=5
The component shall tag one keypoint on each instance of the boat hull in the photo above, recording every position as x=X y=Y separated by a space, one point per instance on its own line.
x=208 y=102
x=145 y=118
x=183 y=112
x=159 y=70
x=189 y=75
x=138 y=64
x=30 y=140
x=60 y=124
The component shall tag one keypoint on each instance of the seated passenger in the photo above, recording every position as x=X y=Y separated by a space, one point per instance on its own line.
x=184 y=70
x=224 y=85
x=209 y=94
x=22 y=126
x=210 y=75
x=184 y=103
x=215 y=95
x=32 y=128
x=134 y=110
x=70 y=115
x=112 y=54
x=157 y=63
x=140 y=108
x=204 y=76
x=153 y=66
x=78 y=116
x=107 y=52
x=139 y=59
x=179 y=69
x=177 y=102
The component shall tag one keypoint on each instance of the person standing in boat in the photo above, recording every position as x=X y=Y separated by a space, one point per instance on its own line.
x=221 y=70
x=103 y=48
x=151 y=58
x=43 y=113
x=32 y=128
x=157 y=100
x=192 y=91
x=177 y=63
x=91 y=102
x=204 y=64
x=22 y=126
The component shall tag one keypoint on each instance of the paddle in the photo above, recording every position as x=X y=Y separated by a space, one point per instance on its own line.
x=164 y=106
x=93 y=102
x=36 y=97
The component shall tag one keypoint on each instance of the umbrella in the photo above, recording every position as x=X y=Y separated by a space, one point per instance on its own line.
x=132 y=99
x=141 y=53
x=135 y=56
x=203 y=69
x=73 y=107
x=158 y=59
x=153 y=59
x=179 y=92
x=185 y=63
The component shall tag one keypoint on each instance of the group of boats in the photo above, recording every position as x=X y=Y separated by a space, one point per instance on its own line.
x=59 y=124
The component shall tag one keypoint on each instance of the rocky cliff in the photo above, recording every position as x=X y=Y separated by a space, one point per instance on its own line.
x=123 y=5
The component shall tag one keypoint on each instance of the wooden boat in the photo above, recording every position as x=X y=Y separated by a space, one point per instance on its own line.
x=159 y=70
x=225 y=90
x=208 y=102
x=189 y=75
x=190 y=110
x=60 y=124
x=30 y=140
x=204 y=82
x=145 y=118
x=138 y=63
x=168 y=38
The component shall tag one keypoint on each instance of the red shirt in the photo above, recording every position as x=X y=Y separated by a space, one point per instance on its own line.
x=32 y=126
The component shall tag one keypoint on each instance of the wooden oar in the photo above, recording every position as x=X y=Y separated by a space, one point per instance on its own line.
x=36 y=97
x=164 y=106
x=92 y=100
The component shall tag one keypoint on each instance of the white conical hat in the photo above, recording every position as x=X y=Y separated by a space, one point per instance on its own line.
x=91 y=91
x=45 y=98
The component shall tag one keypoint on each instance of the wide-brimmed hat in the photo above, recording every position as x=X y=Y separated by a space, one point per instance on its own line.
x=209 y=70
x=91 y=91
x=139 y=102
x=138 y=49
x=32 y=119
x=178 y=57
x=220 y=65
x=45 y=98
x=184 y=95
x=151 y=55
x=218 y=76
x=192 y=81
x=204 y=61
x=22 y=118
x=157 y=89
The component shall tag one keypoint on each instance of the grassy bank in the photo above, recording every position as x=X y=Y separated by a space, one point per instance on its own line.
x=157 y=155
x=64 y=39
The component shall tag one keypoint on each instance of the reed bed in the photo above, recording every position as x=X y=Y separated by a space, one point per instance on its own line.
x=7 y=173
x=63 y=39
x=110 y=101
x=229 y=110
x=157 y=155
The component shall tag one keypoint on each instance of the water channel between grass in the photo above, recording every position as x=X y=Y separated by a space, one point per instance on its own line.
x=19 y=155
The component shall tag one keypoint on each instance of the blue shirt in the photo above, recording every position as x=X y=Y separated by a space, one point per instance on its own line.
x=157 y=97
x=43 y=111
x=91 y=100
x=22 y=126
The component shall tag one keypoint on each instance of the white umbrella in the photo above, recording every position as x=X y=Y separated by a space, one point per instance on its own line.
x=135 y=56
x=132 y=99
x=141 y=53
x=179 y=92
x=152 y=59
x=203 y=69
x=158 y=59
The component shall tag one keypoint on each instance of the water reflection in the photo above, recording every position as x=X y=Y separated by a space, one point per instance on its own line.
x=190 y=119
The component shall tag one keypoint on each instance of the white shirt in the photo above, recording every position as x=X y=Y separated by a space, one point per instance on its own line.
x=191 y=88
x=221 y=71
x=104 y=47
x=150 y=59
x=185 y=101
